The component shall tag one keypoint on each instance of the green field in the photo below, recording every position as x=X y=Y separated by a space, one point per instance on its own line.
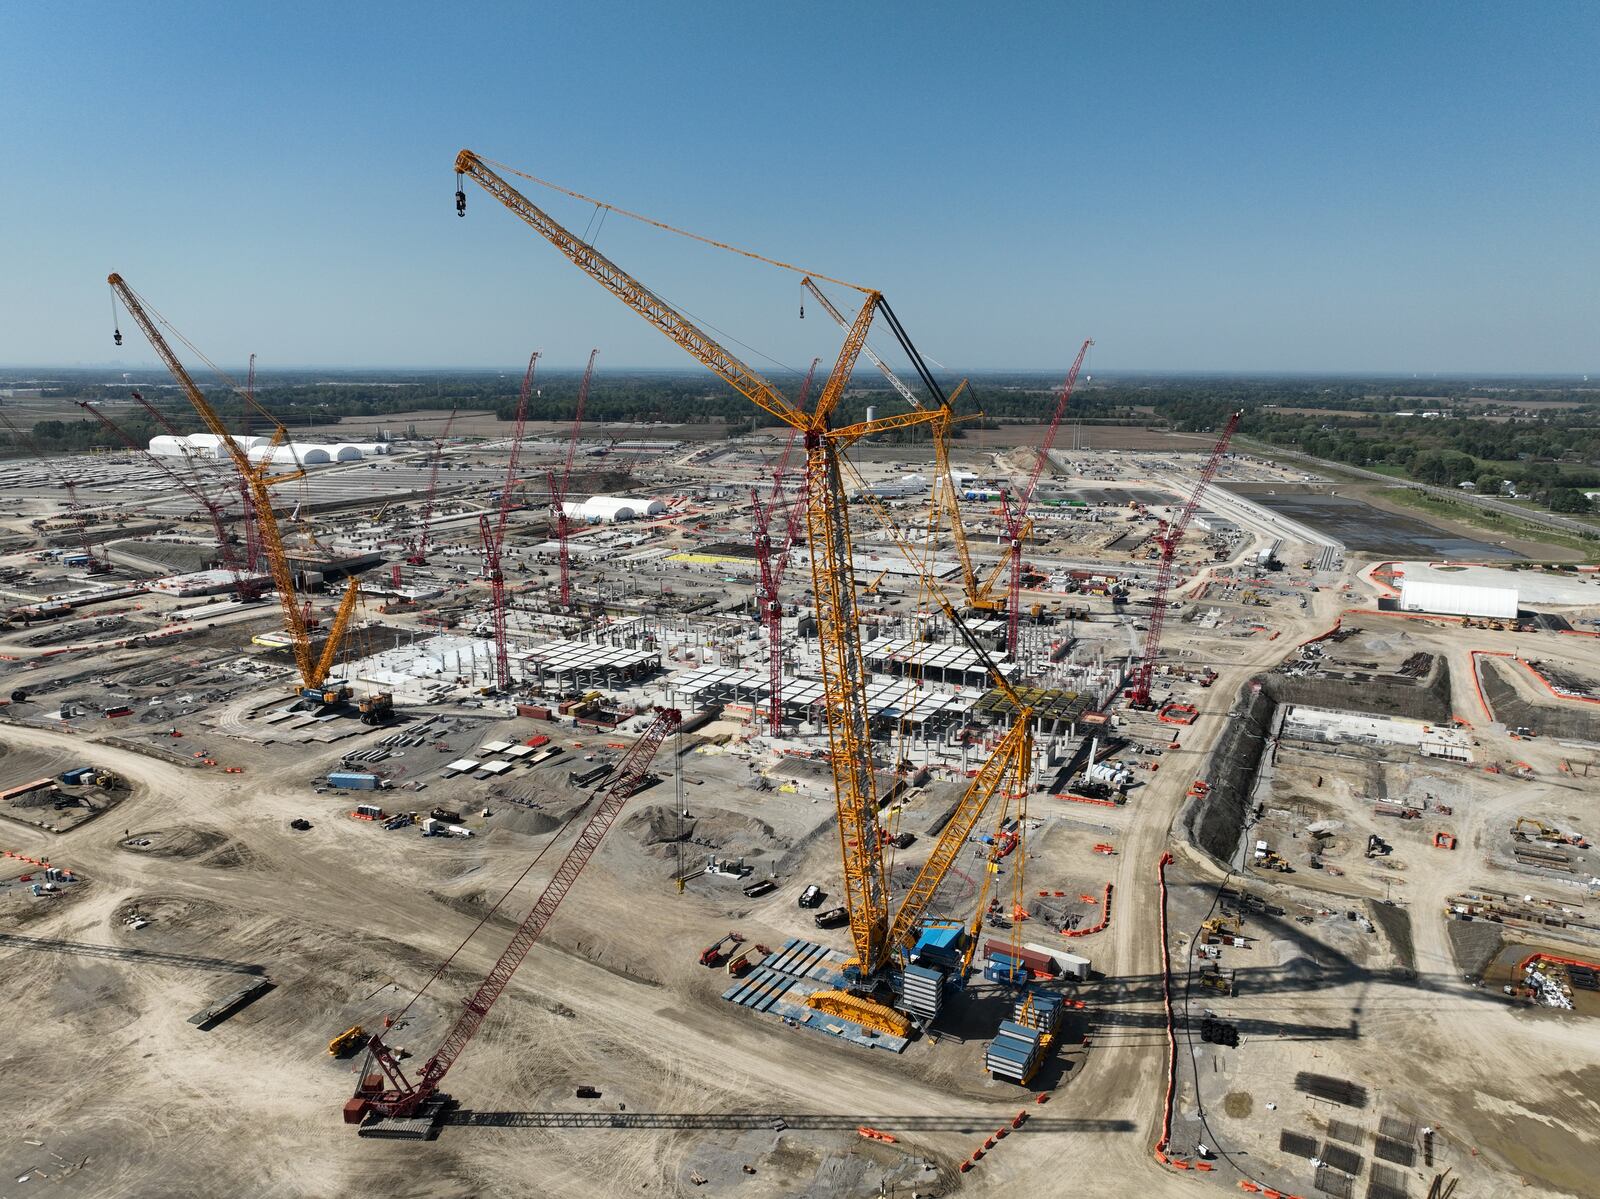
x=1478 y=518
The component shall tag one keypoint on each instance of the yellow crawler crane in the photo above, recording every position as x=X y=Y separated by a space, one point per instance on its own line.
x=314 y=684
x=878 y=941
x=944 y=504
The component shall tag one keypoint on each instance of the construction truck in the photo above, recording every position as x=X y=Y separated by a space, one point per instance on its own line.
x=351 y=1038
x=716 y=954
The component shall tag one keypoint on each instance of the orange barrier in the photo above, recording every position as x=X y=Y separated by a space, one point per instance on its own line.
x=1105 y=917
x=872 y=1134
x=1104 y=803
x=1550 y=957
x=1172 y=1030
x=1534 y=670
x=1477 y=683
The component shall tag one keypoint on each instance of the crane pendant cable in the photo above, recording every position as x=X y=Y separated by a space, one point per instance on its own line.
x=635 y=216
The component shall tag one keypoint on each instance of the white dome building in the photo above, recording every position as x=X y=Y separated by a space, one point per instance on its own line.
x=291 y=455
x=346 y=452
x=200 y=445
x=609 y=509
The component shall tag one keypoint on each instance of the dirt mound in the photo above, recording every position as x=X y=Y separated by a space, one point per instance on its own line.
x=235 y=855
x=177 y=842
x=731 y=834
x=656 y=825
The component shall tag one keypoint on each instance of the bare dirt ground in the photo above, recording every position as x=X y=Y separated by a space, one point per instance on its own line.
x=115 y=1093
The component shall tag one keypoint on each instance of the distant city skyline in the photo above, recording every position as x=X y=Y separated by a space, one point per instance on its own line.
x=1255 y=190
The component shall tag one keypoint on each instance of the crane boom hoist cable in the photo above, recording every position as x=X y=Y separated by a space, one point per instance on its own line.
x=313 y=670
x=874 y=927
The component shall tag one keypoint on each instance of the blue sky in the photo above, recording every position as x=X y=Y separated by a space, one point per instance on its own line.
x=1267 y=187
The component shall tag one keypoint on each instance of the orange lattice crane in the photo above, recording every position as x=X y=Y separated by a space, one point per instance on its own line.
x=314 y=682
x=879 y=934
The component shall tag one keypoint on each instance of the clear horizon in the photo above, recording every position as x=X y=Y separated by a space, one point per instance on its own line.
x=1257 y=191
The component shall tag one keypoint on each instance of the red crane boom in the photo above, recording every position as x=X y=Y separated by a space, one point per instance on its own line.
x=419 y=554
x=401 y=1096
x=80 y=520
x=558 y=490
x=1169 y=537
x=1016 y=515
x=494 y=538
x=771 y=566
x=246 y=588
x=252 y=540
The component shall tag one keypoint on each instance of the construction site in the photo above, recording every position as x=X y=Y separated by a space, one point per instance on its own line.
x=847 y=807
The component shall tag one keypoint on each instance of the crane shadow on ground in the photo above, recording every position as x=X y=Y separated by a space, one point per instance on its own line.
x=774 y=1121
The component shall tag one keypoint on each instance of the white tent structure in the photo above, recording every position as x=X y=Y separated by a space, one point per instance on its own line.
x=1458 y=599
x=608 y=509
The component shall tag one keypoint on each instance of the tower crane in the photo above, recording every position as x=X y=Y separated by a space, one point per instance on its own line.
x=419 y=550
x=314 y=682
x=558 y=488
x=879 y=934
x=494 y=535
x=390 y=1091
x=96 y=565
x=1168 y=538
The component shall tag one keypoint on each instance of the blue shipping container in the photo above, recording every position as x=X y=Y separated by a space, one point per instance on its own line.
x=353 y=780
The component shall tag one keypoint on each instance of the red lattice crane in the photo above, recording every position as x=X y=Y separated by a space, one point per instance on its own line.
x=390 y=1092
x=247 y=588
x=494 y=534
x=95 y=565
x=252 y=539
x=558 y=488
x=1168 y=539
x=419 y=549
x=1018 y=526
x=772 y=562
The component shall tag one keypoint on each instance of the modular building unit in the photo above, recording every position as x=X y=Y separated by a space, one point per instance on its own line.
x=1459 y=599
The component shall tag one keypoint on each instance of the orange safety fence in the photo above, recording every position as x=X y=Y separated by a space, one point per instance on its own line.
x=1104 y=803
x=1534 y=670
x=1105 y=917
x=1550 y=957
x=1172 y=1028
x=1477 y=683
x=1322 y=636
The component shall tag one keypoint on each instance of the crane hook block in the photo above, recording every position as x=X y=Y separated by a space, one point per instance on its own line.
x=116 y=336
x=461 y=197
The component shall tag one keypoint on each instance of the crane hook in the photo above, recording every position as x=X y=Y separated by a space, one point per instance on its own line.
x=461 y=197
x=116 y=336
x=802 y=310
